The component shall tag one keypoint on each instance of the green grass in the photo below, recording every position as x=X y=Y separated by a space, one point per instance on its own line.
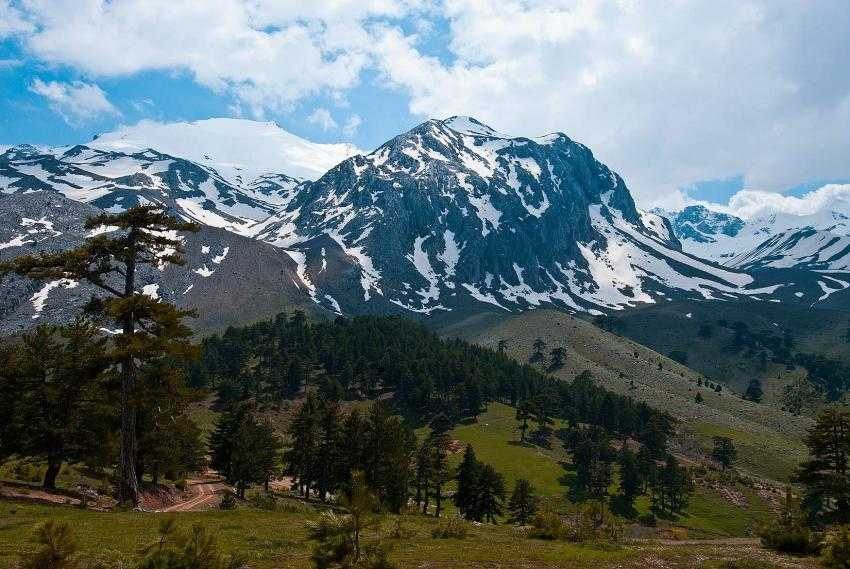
x=768 y=455
x=495 y=438
x=277 y=540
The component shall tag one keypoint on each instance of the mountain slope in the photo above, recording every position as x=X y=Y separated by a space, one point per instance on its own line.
x=227 y=278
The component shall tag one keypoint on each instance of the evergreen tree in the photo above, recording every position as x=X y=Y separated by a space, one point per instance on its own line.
x=503 y=344
x=524 y=412
x=53 y=397
x=523 y=502
x=539 y=345
x=630 y=476
x=150 y=328
x=305 y=433
x=244 y=451
x=754 y=391
x=724 y=451
x=558 y=355
x=490 y=493
x=825 y=475
x=467 y=481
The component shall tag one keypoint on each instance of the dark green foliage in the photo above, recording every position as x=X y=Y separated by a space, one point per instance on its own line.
x=57 y=547
x=327 y=446
x=788 y=532
x=426 y=376
x=480 y=489
x=631 y=481
x=451 y=528
x=679 y=356
x=609 y=323
x=825 y=475
x=54 y=398
x=467 y=478
x=593 y=461
x=557 y=357
x=829 y=376
x=244 y=450
x=523 y=503
x=151 y=329
x=754 y=391
x=724 y=451
x=670 y=486
x=194 y=549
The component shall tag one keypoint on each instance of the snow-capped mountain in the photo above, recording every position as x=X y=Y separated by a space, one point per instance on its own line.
x=453 y=212
x=228 y=278
x=818 y=241
x=239 y=150
x=450 y=217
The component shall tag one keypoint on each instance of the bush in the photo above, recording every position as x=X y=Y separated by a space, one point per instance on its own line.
x=548 y=524
x=195 y=549
x=788 y=533
x=58 y=547
x=450 y=528
x=264 y=502
x=228 y=502
x=836 y=553
x=648 y=519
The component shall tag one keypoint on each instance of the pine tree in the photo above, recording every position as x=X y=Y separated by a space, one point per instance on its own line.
x=150 y=328
x=523 y=413
x=558 y=355
x=53 y=397
x=467 y=482
x=826 y=475
x=539 y=345
x=305 y=434
x=502 y=346
x=244 y=450
x=754 y=391
x=724 y=452
x=489 y=495
x=630 y=476
x=523 y=502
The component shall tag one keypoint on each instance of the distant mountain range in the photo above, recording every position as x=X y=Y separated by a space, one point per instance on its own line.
x=448 y=218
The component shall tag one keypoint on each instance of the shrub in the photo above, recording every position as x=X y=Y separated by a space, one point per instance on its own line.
x=548 y=524
x=788 y=533
x=450 y=528
x=264 y=502
x=58 y=547
x=836 y=553
x=648 y=520
x=228 y=502
x=195 y=549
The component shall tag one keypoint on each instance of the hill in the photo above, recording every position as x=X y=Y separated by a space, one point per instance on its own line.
x=769 y=439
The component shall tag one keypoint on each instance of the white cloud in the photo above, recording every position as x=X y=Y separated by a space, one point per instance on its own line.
x=12 y=20
x=76 y=101
x=322 y=118
x=667 y=93
x=748 y=204
x=267 y=53
x=351 y=125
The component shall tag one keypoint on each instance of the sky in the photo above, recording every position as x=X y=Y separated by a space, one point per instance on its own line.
x=686 y=99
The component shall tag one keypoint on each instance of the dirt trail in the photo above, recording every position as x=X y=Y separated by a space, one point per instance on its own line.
x=205 y=494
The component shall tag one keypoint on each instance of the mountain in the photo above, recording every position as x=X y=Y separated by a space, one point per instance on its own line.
x=452 y=214
x=818 y=241
x=447 y=219
x=239 y=150
x=228 y=278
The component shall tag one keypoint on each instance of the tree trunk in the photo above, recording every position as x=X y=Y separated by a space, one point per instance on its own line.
x=128 y=484
x=54 y=465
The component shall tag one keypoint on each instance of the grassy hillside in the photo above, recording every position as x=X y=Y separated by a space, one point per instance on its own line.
x=770 y=439
x=675 y=325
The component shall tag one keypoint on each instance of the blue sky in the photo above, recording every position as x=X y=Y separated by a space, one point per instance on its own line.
x=701 y=99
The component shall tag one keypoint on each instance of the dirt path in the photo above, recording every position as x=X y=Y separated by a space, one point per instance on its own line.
x=205 y=494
